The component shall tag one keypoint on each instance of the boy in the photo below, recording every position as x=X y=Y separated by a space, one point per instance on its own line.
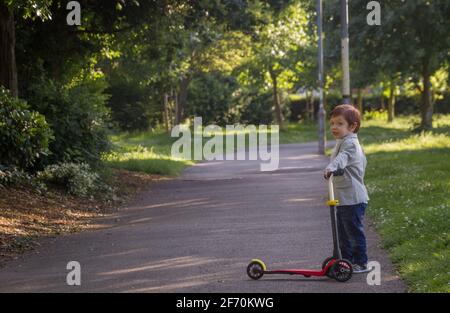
x=349 y=189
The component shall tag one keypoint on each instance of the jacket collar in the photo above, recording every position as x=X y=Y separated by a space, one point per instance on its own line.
x=340 y=141
x=350 y=135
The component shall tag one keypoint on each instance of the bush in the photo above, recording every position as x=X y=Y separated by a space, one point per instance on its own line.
x=257 y=108
x=77 y=115
x=13 y=176
x=77 y=179
x=24 y=134
x=210 y=96
x=376 y=115
x=128 y=107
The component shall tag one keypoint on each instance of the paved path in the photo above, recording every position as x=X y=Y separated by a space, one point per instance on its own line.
x=197 y=233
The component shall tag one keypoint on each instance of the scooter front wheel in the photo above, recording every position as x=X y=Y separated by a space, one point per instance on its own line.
x=341 y=270
x=255 y=269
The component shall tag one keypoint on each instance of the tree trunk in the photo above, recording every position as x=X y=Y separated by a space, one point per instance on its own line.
x=382 y=100
x=166 y=112
x=8 y=69
x=427 y=105
x=276 y=100
x=172 y=104
x=311 y=106
x=181 y=103
x=307 y=105
x=391 y=102
x=360 y=101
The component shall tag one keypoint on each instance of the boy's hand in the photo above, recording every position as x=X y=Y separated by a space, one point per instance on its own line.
x=326 y=174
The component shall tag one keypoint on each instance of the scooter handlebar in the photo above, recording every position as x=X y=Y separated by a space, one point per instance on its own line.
x=338 y=172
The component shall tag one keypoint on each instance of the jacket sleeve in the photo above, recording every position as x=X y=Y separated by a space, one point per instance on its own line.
x=347 y=150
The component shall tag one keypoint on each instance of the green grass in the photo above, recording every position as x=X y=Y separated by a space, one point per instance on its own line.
x=409 y=187
x=147 y=152
x=408 y=178
x=299 y=132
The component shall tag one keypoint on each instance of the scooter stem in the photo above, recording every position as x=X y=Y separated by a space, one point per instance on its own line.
x=333 y=203
x=330 y=188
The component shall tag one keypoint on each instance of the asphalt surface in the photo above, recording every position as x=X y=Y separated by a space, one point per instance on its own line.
x=197 y=233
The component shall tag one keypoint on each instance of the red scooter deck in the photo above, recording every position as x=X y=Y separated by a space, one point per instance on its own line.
x=304 y=272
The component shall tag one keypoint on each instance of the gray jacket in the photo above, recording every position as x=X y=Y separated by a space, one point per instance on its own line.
x=349 y=189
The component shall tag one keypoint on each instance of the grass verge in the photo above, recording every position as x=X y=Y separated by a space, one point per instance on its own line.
x=408 y=179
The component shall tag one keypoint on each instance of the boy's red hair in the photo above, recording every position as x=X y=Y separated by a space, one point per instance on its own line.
x=349 y=113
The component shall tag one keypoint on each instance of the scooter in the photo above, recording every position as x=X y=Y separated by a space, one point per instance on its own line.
x=334 y=267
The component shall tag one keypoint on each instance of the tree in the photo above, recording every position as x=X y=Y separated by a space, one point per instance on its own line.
x=178 y=44
x=411 y=43
x=418 y=31
x=8 y=68
x=279 y=46
x=8 y=74
x=427 y=39
x=198 y=26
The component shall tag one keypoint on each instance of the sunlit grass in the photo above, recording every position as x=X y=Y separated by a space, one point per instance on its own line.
x=147 y=152
x=409 y=201
x=304 y=131
x=142 y=159
x=408 y=179
x=416 y=142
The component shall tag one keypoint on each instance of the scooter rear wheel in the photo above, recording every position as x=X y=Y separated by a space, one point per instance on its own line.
x=341 y=270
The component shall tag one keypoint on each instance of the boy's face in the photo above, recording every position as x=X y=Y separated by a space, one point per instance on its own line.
x=340 y=127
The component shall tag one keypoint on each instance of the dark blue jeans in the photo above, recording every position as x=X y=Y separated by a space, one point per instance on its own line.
x=352 y=239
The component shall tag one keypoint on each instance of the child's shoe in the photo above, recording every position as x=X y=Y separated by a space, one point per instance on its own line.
x=359 y=269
